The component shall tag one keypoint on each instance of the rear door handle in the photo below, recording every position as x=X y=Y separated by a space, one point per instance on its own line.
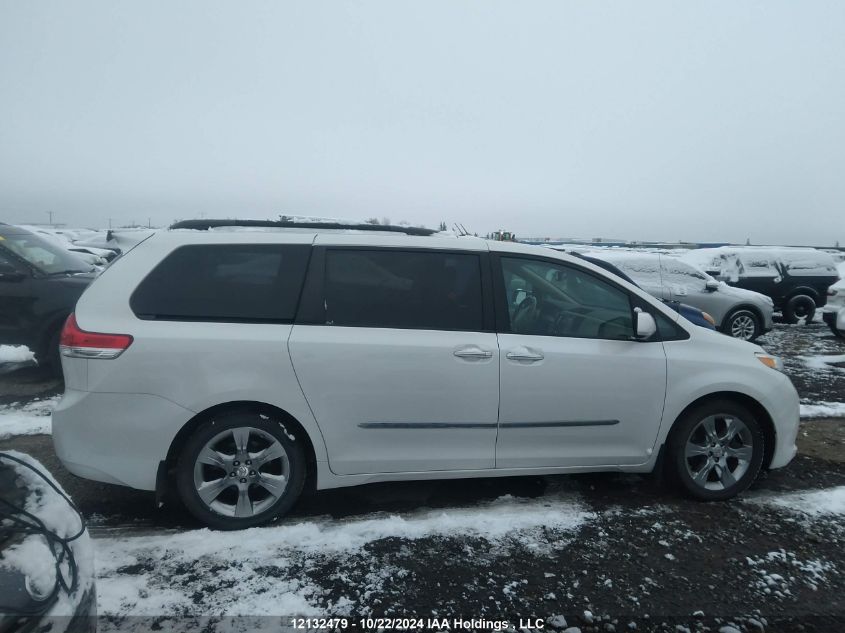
x=472 y=352
x=525 y=356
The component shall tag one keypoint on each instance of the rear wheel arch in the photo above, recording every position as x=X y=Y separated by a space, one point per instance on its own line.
x=291 y=424
x=758 y=410
x=803 y=290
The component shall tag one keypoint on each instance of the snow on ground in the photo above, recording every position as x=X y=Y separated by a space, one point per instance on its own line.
x=823 y=410
x=812 y=573
x=16 y=354
x=835 y=362
x=32 y=418
x=265 y=571
x=827 y=501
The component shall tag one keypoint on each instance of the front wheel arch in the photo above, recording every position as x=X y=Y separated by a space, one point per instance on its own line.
x=757 y=409
x=166 y=484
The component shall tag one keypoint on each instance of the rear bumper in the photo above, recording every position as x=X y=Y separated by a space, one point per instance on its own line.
x=116 y=438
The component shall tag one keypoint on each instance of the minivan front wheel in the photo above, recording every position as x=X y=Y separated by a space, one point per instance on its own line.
x=716 y=451
x=240 y=470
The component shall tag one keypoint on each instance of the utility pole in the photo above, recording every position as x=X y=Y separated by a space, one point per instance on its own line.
x=109 y=224
x=50 y=213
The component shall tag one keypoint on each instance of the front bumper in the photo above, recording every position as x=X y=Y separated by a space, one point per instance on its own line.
x=784 y=408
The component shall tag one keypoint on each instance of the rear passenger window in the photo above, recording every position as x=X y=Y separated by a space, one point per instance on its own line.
x=403 y=289
x=232 y=282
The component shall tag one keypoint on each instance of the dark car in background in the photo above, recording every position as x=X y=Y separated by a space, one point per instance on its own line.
x=39 y=285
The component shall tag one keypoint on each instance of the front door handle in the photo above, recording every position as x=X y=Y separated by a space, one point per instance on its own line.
x=472 y=352
x=525 y=355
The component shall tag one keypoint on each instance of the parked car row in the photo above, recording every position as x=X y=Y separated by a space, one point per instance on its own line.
x=737 y=312
x=796 y=279
x=236 y=369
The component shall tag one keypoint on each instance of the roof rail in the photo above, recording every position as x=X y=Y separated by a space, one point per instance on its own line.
x=204 y=225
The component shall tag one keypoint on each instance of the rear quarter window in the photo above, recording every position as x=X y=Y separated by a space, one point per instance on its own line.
x=230 y=282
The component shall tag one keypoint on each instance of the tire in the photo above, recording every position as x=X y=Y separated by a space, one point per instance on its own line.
x=799 y=307
x=837 y=332
x=238 y=490
x=743 y=324
x=715 y=473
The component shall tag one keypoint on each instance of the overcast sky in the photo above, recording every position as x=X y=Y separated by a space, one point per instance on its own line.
x=640 y=120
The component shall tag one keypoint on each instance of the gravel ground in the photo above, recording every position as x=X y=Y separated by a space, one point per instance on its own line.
x=639 y=558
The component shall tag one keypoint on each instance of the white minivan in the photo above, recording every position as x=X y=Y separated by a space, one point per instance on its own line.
x=236 y=368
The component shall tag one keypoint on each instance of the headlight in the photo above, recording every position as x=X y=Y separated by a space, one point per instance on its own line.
x=769 y=361
x=708 y=318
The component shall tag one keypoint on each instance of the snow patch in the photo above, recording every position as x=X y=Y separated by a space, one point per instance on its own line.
x=827 y=501
x=825 y=363
x=260 y=571
x=16 y=354
x=33 y=418
x=823 y=410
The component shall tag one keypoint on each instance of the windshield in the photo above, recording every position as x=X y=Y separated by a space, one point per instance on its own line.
x=42 y=254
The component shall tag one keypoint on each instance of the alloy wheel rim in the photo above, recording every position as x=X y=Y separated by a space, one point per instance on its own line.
x=241 y=472
x=743 y=327
x=718 y=452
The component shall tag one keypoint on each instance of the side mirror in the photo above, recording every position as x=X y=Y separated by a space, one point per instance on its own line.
x=10 y=273
x=644 y=325
x=712 y=285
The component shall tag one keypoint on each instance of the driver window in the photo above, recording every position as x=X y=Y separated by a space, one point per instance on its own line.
x=549 y=299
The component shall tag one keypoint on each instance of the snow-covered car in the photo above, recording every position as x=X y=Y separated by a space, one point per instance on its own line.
x=834 y=312
x=68 y=238
x=796 y=279
x=116 y=241
x=233 y=369
x=46 y=558
x=739 y=313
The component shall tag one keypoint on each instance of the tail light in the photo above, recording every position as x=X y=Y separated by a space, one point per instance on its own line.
x=77 y=343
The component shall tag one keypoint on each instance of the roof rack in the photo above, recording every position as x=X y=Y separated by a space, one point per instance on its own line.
x=205 y=225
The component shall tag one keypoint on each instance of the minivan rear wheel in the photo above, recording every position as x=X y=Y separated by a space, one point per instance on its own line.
x=716 y=450
x=240 y=470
